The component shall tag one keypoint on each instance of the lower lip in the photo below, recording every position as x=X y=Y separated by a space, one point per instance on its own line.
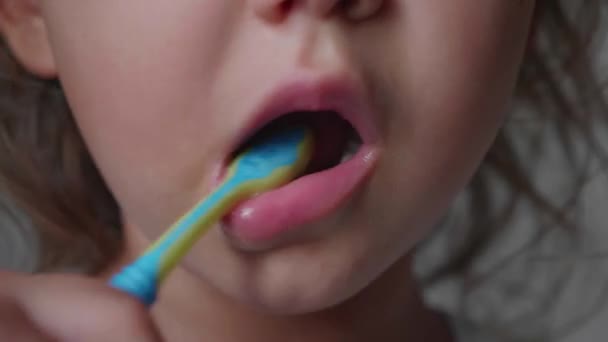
x=270 y=215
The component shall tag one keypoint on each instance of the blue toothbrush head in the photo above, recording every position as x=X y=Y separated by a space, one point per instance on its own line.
x=285 y=151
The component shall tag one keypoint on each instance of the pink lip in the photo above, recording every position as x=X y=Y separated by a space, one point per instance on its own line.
x=307 y=199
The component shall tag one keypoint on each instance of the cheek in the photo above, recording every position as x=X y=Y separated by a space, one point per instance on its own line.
x=460 y=64
x=457 y=68
x=140 y=91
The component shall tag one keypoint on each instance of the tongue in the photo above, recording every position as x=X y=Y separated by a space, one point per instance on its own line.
x=331 y=136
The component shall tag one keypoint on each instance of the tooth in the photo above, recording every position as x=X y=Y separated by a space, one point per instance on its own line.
x=353 y=146
x=350 y=150
x=346 y=157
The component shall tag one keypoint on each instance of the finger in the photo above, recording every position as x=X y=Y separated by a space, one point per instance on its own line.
x=72 y=308
x=15 y=325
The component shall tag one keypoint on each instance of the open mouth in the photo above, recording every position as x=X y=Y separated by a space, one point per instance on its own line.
x=346 y=149
x=336 y=140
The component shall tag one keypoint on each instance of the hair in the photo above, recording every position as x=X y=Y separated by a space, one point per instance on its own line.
x=560 y=104
x=559 y=87
x=47 y=171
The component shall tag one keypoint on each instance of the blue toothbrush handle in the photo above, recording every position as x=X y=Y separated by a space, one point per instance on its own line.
x=142 y=278
x=264 y=166
x=139 y=279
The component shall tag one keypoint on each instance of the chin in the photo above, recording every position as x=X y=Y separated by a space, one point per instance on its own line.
x=290 y=298
x=295 y=280
x=287 y=286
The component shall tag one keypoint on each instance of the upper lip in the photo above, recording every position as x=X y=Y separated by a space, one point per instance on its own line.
x=338 y=94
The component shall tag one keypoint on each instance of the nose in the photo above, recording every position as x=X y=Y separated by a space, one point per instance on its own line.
x=276 y=10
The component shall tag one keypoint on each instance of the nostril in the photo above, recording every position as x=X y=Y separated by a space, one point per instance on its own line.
x=286 y=6
x=273 y=10
x=361 y=9
x=323 y=8
x=277 y=10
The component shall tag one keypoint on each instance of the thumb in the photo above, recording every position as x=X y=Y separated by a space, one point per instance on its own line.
x=72 y=308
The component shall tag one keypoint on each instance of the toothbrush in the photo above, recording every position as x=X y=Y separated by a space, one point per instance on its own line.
x=268 y=164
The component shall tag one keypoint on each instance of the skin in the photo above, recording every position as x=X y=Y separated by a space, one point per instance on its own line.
x=160 y=88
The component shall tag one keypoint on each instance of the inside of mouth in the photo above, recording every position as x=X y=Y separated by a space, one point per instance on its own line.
x=335 y=139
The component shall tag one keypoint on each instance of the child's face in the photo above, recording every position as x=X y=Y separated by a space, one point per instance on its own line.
x=163 y=90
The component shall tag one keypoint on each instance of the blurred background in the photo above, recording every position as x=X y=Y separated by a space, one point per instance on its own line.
x=550 y=288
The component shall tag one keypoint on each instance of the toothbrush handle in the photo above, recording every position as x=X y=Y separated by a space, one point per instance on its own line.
x=142 y=278
x=139 y=279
